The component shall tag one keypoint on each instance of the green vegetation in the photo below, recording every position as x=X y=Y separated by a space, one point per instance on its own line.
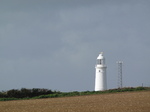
x=37 y=93
x=25 y=93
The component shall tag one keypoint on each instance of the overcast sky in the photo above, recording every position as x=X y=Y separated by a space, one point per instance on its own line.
x=54 y=44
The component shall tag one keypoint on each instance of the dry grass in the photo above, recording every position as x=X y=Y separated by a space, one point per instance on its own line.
x=116 y=102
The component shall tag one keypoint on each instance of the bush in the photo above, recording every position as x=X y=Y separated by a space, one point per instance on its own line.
x=25 y=93
x=140 y=88
x=8 y=99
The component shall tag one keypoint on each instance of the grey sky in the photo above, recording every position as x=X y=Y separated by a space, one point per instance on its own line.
x=54 y=43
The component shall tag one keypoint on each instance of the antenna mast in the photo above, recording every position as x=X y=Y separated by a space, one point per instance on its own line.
x=119 y=73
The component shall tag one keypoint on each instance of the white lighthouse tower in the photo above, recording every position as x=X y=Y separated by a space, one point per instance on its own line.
x=100 y=76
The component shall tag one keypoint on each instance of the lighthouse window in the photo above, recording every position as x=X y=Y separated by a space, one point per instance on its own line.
x=100 y=61
x=97 y=61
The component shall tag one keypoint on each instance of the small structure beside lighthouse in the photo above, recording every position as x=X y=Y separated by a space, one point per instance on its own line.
x=100 y=75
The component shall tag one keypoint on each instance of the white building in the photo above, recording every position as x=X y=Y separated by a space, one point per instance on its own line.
x=100 y=75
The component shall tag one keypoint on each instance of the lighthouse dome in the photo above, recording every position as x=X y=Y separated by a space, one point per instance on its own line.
x=100 y=56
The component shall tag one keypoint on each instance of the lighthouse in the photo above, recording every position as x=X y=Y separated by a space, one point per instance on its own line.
x=100 y=74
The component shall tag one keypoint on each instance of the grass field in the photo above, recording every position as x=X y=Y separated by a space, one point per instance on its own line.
x=111 y=102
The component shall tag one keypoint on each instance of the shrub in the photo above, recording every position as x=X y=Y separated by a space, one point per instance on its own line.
x=140 y=88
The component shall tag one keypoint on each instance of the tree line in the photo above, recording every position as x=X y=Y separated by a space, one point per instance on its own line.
x=25 y=93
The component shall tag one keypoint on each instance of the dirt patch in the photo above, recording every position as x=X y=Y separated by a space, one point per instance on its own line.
x=115 y=102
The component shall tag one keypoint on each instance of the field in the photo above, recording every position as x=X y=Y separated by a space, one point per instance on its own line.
x=111 y=102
